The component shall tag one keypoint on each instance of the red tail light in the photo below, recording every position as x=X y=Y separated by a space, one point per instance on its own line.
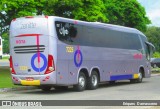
x=51 y=66
x=11 y=66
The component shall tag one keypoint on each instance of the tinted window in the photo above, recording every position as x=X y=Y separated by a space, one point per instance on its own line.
x=98 y=37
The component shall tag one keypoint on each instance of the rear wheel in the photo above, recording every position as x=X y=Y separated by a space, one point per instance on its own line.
x=46 y=88
x=112 y=82
x=93 y=81
x=81 y=82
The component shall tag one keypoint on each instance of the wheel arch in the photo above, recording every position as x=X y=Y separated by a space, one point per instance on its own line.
x=95 y=69
x=85 y=71
x=141 y=68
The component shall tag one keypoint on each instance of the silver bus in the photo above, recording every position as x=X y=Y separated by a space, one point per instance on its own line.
x=50 y=51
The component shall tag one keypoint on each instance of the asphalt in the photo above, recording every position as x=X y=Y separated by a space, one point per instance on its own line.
x=33 y=87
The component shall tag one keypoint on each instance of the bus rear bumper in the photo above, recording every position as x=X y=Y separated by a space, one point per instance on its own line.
x=34 y=80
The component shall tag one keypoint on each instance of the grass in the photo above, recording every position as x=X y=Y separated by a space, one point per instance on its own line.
x=155 y=70
x=5 y=57
x=5 y=78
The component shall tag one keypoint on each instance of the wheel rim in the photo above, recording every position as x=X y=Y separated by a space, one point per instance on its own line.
x=81 y=81
x=94 y=80
x=140 y=76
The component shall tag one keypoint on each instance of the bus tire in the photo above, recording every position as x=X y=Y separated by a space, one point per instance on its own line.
x=132 y=80
x=112 y=82
x=81 y=86
x=140 y=77
x=93 y=81
x=46 y=88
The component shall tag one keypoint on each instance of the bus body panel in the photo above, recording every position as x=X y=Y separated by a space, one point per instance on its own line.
x=110 y=61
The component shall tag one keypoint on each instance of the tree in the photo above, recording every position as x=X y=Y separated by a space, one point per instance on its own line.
x=156 y=55
x=5 y=43
x=120 y=12
x=13 y=9
x=18 y=8
x=87 y=10
x=128 y=13
x=153 y=34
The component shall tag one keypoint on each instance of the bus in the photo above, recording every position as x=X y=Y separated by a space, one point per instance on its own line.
x=1 y=48
x=55 y=52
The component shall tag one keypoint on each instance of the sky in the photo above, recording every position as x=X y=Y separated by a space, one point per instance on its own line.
x=152 y=8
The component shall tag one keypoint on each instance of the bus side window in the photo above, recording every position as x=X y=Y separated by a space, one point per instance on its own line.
x=72 y=31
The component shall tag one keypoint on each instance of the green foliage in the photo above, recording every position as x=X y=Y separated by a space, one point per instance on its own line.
x=10 y=9
x=153 y=34
x=5 y=43
x=87 y=10
x=156 y=55
x=127 y=13
x=122 y=12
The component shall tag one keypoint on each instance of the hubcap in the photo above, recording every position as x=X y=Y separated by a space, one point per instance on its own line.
x=140 y=76
x=81 y=81
x=94 y=80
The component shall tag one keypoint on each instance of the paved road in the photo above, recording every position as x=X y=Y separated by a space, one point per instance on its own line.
x=4 y=63
x=148 y=90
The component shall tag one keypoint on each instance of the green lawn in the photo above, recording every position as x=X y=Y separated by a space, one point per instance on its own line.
x=155 y=70
x=5 y=57
x=5 y=78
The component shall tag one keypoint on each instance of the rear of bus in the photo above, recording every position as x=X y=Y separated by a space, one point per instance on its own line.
x=33 y=51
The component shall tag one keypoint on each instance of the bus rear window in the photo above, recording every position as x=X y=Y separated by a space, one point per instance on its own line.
x=29 y=26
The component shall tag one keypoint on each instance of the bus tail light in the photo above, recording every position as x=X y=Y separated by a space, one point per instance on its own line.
x=51 y=66
x=11 y=66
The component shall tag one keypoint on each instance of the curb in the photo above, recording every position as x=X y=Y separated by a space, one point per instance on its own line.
x=18 y=88
x=152 y=75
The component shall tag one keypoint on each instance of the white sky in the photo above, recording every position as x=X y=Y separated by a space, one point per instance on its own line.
x=152 y=8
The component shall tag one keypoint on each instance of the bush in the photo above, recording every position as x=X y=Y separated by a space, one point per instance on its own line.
x=156 y=55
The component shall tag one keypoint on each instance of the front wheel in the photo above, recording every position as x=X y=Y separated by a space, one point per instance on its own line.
x=139 y=79
x=93 y=81
x=81 y=82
